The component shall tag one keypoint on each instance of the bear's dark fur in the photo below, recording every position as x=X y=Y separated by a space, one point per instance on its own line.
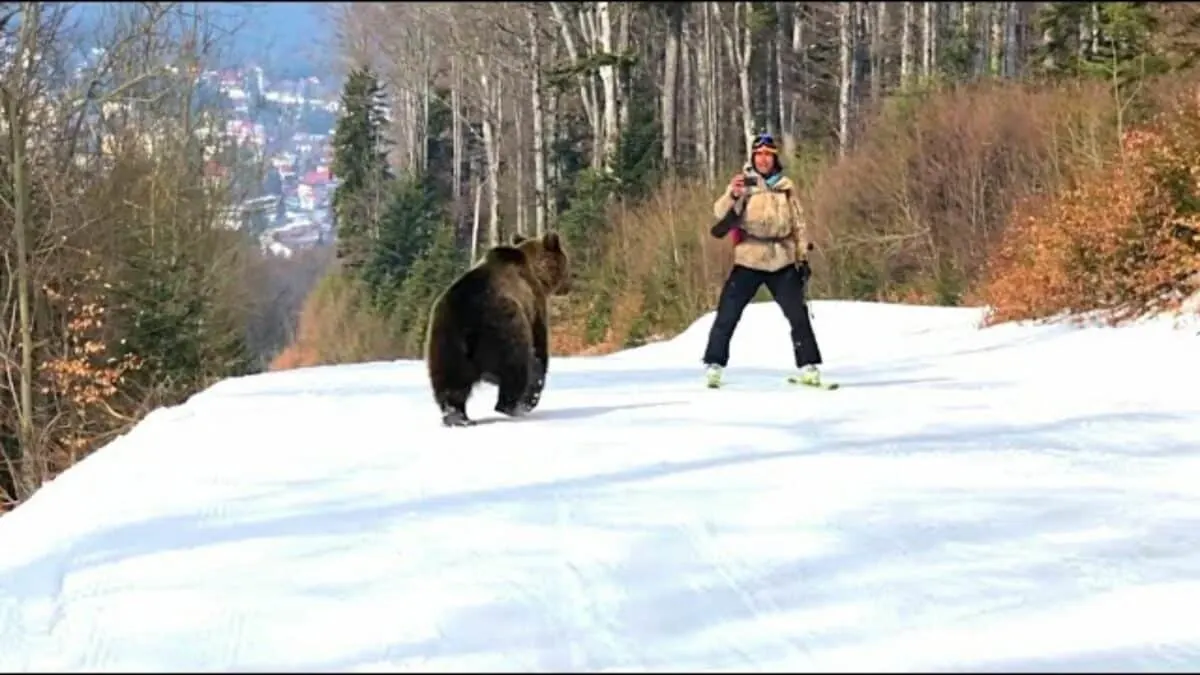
x=492 y=325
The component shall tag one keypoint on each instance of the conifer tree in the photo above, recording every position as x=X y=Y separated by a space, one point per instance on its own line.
x=360 y=166
x=406 y=231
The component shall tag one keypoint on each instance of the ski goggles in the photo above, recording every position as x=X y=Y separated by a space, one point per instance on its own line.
x=764 y=143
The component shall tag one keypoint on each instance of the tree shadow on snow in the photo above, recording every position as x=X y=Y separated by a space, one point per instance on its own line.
x=901 y=551
x=905 y=555
x=356 y=516
x=323 y=517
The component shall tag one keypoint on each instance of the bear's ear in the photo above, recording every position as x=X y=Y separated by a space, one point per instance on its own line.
x=518 y=239
x=552 y=242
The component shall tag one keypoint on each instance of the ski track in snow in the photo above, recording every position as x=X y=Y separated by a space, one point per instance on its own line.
x=970 y=499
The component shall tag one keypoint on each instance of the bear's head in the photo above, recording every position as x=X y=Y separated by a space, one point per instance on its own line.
x=549 y=261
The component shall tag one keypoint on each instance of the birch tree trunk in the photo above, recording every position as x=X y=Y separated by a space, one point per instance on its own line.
x=798 y=54
x=589 y=30
x=781 y=81
x=539 y=126
x=929 y=39
x=1094 y=44
x=967 y=20
x=878 y=30
x=1048 y=39
x=707 y=85
x=475 y=220
x=490 y=109
x=494 y=166
x=844 y=15
x=861 y=58
x=518 y=156
x=670 y=85
x=739 y=43
x=625 y=14
x=1012 y=17
x=608 y=78
x=935 y=32
x=16 y=115
x=586 y=84
x=456 y=133
x=906 y=44
x=1085 y=35
x=687 y=95
x=700 y=96
x=426 y=96
x=770 y=85
x=996 y=39
x=553 y=134
x=712 y=99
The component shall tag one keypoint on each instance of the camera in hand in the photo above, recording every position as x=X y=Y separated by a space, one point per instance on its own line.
x=749 y=176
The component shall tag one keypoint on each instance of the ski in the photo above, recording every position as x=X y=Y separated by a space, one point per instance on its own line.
x=823 y=384
x=791 y=379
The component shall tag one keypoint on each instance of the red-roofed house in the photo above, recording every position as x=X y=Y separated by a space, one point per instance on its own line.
x=315 y=178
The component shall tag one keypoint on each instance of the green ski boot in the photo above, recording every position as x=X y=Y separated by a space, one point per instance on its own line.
x=809 y=376
x=712 y=377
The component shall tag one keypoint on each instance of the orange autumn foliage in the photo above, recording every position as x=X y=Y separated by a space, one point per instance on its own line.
x=88 y=371
x=1124 y=241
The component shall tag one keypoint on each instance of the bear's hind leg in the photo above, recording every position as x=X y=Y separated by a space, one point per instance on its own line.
x=541 y=360
x=514 y=386
x=453 y=384
x=454 y=408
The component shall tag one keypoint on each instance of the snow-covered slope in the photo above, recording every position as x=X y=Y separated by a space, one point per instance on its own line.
x=1015 y=497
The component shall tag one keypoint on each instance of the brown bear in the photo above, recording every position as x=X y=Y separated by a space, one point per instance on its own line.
x=492 y=325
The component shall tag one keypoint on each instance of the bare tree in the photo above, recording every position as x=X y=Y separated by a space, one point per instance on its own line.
x=738 y=32
x=670 y=92
x=906 y=43
x=73 y=138
x=845 y=82
x=539 y=121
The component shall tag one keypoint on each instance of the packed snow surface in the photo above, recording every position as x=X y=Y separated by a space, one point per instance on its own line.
x=971 y=499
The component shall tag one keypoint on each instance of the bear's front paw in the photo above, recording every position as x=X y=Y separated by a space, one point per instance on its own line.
x=532 y=400
x=455 y=418
x=517 y=410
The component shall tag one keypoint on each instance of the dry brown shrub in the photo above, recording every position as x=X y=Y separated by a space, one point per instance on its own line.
x=277 y=287
x=1125 y=241
x=338 y=325
x=660 y=270
x=913 y=210
x=86 y=374
x=294 y=356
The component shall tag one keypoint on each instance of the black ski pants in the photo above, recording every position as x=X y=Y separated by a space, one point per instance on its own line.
x=789 y=287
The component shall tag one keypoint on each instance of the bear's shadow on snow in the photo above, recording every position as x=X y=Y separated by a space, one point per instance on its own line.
x=576 y=413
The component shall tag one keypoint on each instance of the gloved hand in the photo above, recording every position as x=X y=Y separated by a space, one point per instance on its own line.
x=803 y=270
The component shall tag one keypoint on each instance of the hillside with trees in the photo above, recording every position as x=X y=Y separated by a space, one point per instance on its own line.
x=939 y=145
x=1039 y=158
x=123 y=285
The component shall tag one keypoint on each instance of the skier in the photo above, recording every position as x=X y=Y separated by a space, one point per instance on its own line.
x=761 y=212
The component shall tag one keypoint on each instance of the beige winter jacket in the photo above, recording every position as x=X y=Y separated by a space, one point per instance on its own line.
x=774 y=228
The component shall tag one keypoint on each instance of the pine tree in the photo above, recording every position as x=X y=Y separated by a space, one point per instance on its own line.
x=1123 y=50
x=436 y=269
x=406 y=231
x=171 y=320
x=639 y=149
x=1117 y=45
x=360 y=165
x=439 y=147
